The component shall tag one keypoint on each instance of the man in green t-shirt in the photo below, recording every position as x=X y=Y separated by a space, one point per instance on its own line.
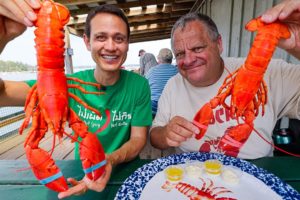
x=126 y=94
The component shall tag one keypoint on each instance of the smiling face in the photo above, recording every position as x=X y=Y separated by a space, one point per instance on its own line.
x=108 y=41
x=197 y=55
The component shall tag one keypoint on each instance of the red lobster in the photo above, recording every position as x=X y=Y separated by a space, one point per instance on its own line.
x=246 y=87
x=207 y=191
x=47 y=103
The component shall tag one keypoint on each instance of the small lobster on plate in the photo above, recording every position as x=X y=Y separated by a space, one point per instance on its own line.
x=246 y=87
x=207 y=191
x=47 y=103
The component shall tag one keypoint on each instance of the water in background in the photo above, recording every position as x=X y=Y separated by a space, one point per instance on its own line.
x=25 y=75
x=22 y=76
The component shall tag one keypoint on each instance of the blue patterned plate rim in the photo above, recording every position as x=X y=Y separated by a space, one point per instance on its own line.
x=133 y=186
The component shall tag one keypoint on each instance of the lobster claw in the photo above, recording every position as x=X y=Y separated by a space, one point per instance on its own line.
x=45 y=170
x=92 y=156
x=202 y=119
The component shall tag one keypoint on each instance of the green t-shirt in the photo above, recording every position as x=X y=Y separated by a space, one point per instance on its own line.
x=128 y=101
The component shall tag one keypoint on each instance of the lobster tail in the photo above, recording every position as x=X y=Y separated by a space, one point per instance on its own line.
x=50 y=36
x=264 y=43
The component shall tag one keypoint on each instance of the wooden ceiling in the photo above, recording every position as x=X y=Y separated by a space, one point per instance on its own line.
x=149 y=19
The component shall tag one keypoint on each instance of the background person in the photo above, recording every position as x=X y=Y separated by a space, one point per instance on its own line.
x=197 y=46
x=107 y=38
x=147 y=61
x=141 y=52
x=159 y=75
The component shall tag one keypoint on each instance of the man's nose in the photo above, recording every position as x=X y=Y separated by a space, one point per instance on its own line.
x=110 y=44
x=189 y=58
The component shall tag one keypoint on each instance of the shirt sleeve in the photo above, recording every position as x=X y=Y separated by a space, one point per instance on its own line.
x=30 y=82
x=284 y=88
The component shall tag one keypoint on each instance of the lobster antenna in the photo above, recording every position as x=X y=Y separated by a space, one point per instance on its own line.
x=273 y=145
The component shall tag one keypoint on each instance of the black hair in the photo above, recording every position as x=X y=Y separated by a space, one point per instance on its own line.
x=105 y=8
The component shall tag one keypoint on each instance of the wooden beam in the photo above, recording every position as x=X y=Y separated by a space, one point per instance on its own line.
x=151 y=37
x=182 y=6
x=79 y=2
x=156 y=16
x=197 y=5
x=157 y=21
x=119 y=2
x=150 y=29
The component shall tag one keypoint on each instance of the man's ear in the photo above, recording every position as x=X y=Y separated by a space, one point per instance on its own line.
x=220 y=44
x=87 y=42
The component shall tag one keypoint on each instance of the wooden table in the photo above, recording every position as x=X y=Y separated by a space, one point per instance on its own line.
x=22 y=185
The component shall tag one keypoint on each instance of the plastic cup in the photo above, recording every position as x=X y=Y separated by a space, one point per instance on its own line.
x=213 y=167
x=174 y=173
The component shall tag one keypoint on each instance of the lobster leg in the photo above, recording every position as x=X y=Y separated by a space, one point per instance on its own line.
x=205 y=114
x=97 y=85
x=83 y=90
x=91 y=151
x=43 y=166
x=30 y=104
x=107 y=112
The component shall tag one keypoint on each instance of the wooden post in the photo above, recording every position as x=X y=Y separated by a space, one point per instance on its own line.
x=68 y=53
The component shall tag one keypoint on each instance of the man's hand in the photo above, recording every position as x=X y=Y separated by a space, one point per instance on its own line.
x=288 y=11
x=80 y=187
x=15 y=15
x=21 y=11
x=9 y=30
x=179 y=130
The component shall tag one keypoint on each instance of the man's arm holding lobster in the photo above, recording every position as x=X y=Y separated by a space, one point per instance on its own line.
x=288 y=11
x=13 y=93
x=125 y=153
x=14 y=17
x=13 y=22
x=173 y=134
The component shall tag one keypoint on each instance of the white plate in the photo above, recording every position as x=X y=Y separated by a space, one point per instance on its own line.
x=248 y=185
x=146 y=182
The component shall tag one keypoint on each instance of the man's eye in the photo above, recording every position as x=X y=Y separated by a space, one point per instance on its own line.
x=179 y=55
x=119 y=39
x=198 y=49
x=100 y=37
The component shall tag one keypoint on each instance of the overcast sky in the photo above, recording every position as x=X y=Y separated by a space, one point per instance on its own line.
x=22 y=49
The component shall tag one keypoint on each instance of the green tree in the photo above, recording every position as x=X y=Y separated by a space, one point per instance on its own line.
x=10 y=66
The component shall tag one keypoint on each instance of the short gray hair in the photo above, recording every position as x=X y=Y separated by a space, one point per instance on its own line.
x=206 y=20
x=165 y=55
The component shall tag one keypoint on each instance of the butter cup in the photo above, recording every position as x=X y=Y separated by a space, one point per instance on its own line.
x=194 y=169
x=213 y=167
x=231 y=174
x=174 y=173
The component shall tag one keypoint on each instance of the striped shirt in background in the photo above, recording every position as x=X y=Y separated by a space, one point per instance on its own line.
x=158 y=76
